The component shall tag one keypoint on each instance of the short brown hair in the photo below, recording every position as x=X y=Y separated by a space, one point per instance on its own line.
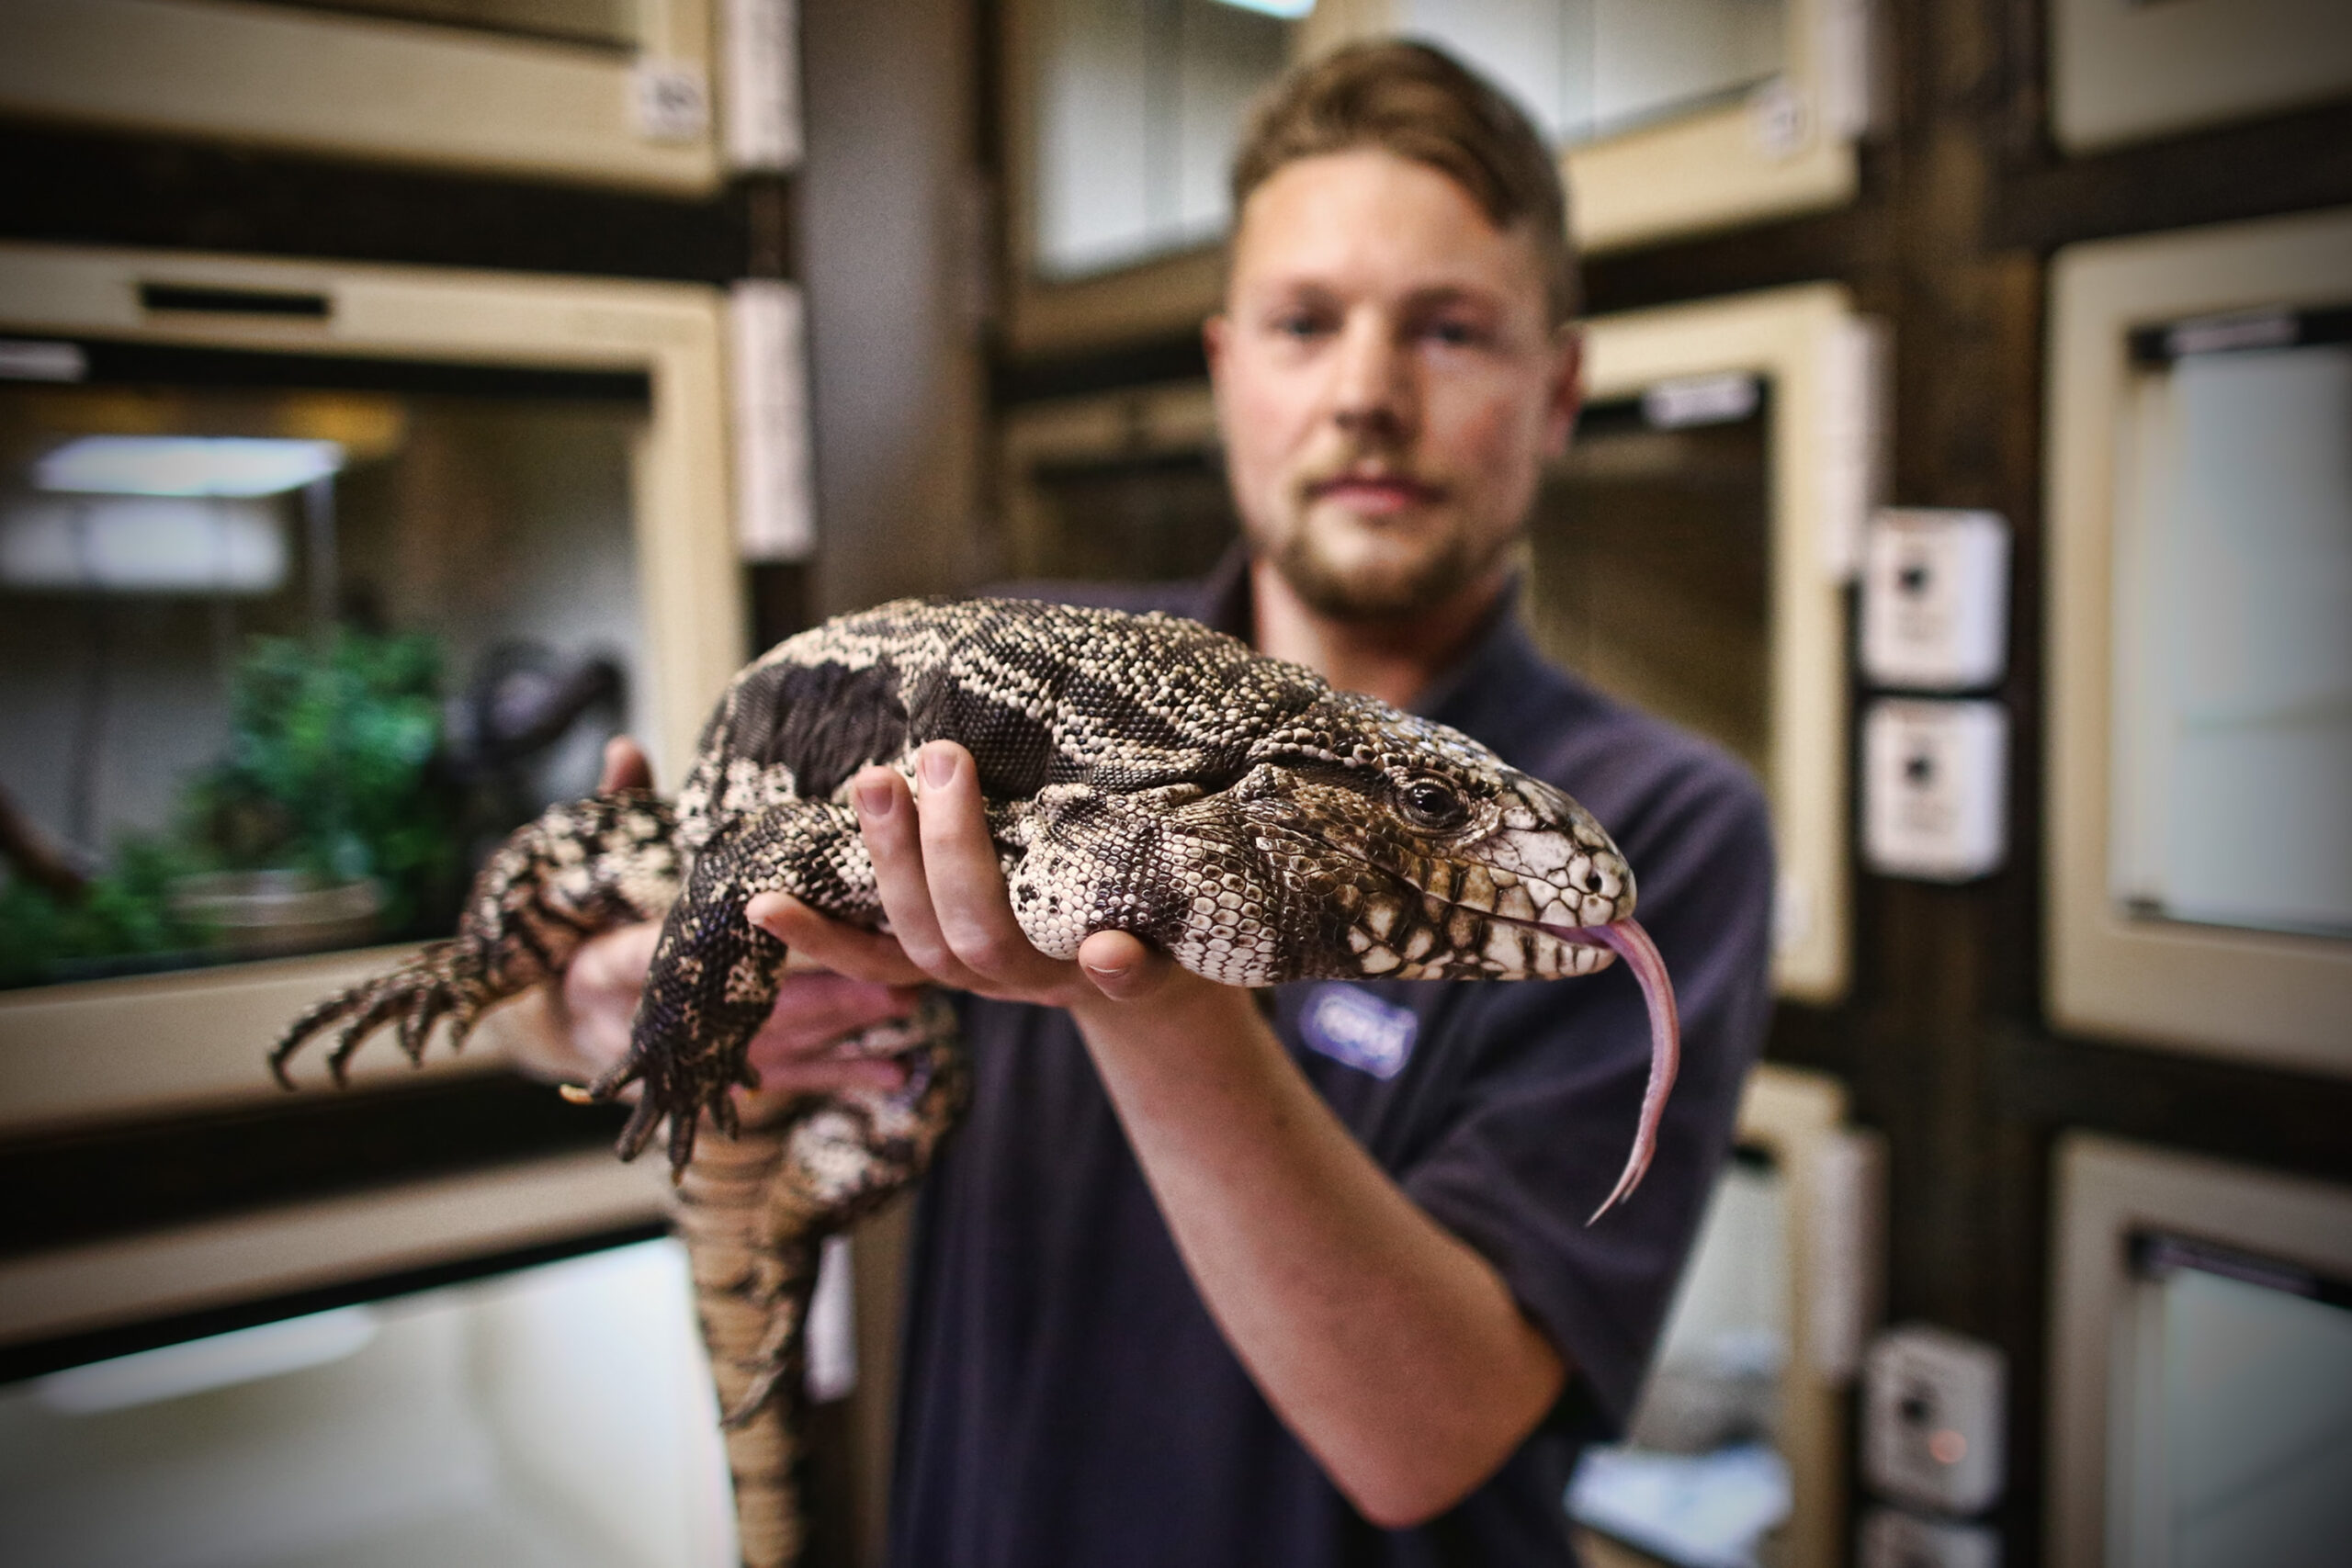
x=1419 y=103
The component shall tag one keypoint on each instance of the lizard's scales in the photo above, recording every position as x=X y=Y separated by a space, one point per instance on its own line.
x=1141 y=772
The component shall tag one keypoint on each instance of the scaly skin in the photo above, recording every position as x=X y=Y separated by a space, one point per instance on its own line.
x=1142 y=773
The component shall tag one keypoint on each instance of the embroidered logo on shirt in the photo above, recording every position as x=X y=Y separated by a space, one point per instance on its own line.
x=1358 y=1028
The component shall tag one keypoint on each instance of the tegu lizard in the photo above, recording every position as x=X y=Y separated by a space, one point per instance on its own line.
x=1141 y=774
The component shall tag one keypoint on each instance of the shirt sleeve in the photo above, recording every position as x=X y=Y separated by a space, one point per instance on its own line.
x=1551 y=1081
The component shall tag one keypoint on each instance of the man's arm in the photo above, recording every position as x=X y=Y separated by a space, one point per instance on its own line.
x=1390 y=1347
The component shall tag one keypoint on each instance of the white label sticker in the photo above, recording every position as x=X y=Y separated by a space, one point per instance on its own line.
x=672 y=100
x=773 y=505
x=1778 y=120
x=760 y=100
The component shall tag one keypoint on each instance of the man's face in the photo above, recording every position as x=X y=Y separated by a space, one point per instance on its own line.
x=1387 y=382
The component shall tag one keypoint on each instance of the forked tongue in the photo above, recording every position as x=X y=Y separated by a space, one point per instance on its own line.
x=1633 y=944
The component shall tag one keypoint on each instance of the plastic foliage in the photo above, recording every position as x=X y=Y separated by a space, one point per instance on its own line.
x=331 y=770
x=122 y=921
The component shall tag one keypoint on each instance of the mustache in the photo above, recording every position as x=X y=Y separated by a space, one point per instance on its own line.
x=1366 y=463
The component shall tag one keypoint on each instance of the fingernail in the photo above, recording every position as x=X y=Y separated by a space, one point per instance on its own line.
x=1108 y=971
x=872 y=797
x=938 y=767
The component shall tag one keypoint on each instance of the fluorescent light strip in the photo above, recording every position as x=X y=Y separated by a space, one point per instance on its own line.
x=185 y=465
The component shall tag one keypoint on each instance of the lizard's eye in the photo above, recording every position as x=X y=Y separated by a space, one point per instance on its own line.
x=1428 y=803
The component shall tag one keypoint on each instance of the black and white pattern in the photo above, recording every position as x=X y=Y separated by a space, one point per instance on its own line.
x=1141 y=774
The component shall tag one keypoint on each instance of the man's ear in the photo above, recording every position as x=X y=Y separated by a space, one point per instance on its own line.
x=1566 y=394
x=1212 y=334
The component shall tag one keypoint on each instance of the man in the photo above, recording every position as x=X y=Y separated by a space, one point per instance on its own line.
x=1304 y=1278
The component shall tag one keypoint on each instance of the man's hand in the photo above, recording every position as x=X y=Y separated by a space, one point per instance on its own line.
x=1391 y=1347
x=794 y=1053
x=950 y=923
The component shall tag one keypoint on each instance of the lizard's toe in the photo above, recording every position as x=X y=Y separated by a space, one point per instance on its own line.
x=379 y=1007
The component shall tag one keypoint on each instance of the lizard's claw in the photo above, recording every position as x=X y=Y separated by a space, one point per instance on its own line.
x=437 y=983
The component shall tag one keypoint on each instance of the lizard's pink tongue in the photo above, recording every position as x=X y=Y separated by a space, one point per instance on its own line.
x=1633 y=944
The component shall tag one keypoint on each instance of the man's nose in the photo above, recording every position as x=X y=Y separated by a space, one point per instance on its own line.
x=1374 y=394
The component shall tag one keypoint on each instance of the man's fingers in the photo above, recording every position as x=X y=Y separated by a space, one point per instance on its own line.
x=823 y=1076
x=625 y=766
x=1122 y=966
x=832 y=944
x=886 y=819
x=616 y=960
x=813 y=1010
x=598 y=997
x=967 y=894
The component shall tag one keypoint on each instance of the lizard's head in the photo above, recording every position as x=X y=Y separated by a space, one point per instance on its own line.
x=1427 y=857
x=1414 y=852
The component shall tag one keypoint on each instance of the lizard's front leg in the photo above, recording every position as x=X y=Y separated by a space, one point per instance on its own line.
x=582 y=867
x=715 y=975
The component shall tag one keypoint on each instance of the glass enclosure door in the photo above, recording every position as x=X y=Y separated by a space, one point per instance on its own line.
x=1154 y=519
x=1586 y=69
x=2232 y=771
x=1139 y=105
x=288 y=643
x=2235 y=1423
x=1650 y=559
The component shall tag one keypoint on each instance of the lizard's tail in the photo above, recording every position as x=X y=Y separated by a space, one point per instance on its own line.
x=753 y=1205
x=752 y=1292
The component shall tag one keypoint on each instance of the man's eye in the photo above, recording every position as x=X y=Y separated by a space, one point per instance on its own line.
x=1300 y=325
x=1455 y=335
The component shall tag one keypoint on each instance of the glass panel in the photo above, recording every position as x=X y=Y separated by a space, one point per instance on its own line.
x=1139 y=106
x=1586 y=69
x=451 y=1427
x=613 y=23
x=2233 y=675
x=2244 y=1444
x=247 y=712
x=1650 y=558
x=1698 y=1480
x=1153 y=519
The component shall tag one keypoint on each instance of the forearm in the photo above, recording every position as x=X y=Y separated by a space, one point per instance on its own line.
x=1392 y=1350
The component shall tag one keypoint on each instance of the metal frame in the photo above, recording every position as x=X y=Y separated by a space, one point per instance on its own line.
x=2107 y=1189
x=2241 y=994
x=298 y=1247
x=2122 y=71
x=372 y=86
x=1825 y=363
x=156 y=1045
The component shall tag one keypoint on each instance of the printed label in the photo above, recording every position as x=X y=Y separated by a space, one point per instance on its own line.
x=1358 y=1028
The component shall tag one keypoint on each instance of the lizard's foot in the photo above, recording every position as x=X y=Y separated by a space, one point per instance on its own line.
x=438 y=982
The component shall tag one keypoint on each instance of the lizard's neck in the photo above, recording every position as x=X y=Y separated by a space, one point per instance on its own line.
x=1393 y=660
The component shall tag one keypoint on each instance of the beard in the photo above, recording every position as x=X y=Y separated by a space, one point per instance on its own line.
x=1390 y=585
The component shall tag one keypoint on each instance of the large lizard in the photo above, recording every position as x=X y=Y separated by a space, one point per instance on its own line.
x=1141 y=774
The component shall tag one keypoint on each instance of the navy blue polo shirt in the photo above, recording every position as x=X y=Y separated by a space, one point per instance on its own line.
x=1067 y=1399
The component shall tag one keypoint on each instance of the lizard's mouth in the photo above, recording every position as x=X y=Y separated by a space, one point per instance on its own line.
x=1626 y=940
